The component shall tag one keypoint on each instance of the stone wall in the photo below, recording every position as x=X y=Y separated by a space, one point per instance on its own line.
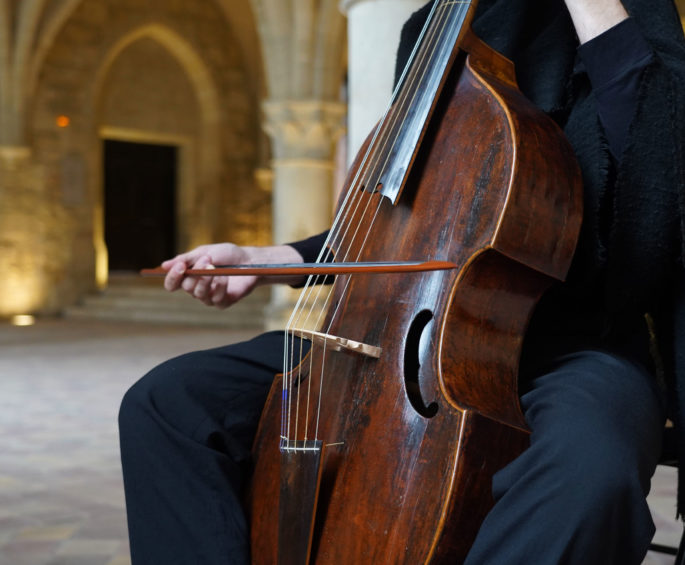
x=30 y=259
x=147 y=70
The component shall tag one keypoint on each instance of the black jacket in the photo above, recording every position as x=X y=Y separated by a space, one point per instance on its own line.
x=628 y=266
x=625 y=291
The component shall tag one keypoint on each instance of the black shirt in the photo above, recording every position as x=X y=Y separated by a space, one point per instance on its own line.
x=614 y=62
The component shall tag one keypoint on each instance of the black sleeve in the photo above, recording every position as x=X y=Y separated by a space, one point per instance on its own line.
x=311 y=247
x=615 y=61
x=411 y=31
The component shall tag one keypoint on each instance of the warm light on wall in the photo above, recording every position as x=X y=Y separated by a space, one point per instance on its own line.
x=23 y=320
x=101 y=255
x=63 y=121
x=20 y=293
x=101 y=266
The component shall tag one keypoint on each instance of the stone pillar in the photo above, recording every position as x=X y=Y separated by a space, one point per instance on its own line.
x=303 y=134
x=373 y=29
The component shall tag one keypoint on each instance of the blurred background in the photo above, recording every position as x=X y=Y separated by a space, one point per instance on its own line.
x=131 y=130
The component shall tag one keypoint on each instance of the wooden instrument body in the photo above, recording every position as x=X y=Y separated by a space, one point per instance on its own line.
x=412 y=439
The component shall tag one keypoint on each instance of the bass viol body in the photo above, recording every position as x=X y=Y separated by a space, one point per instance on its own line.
x=379 y=444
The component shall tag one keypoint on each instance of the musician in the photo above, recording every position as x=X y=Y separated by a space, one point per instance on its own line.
x=593 y=390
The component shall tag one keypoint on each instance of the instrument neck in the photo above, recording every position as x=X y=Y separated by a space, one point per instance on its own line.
x=414 y=99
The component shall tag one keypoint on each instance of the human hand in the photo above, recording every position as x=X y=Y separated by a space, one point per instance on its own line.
x=223 y=291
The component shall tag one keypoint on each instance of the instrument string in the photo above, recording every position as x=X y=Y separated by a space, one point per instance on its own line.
x=437 y=30
x=339 y=238
x=357 y=185
x=363 y=245
x=399 y=113
x=337 y=233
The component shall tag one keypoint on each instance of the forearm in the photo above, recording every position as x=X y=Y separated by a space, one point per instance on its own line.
x=593 y=17
x=275 y=254
x=272 y=254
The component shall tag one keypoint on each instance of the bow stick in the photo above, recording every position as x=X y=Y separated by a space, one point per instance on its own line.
x=289 y=269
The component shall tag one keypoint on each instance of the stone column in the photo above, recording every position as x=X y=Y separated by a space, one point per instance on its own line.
x=373 y=29
x=303 y=134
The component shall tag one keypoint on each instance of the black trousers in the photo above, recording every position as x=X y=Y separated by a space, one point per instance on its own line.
x=577 y=495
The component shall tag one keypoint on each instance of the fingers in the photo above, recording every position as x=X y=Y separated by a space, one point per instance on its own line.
x=238 y=288
x=176 y=268
x=199 y=286
x=174 y=276
x=217 y=292
x=220 y=291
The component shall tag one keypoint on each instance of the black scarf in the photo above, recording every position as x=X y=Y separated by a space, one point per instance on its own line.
x=630 y=255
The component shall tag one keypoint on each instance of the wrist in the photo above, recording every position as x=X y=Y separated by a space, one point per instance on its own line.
x=592 y=17
x=270 y=255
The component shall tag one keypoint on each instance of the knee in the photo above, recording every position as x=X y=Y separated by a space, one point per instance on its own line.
x=611 y=481
x=142 y=402
x=134 y=406
x=608 y=494
x=599 y=474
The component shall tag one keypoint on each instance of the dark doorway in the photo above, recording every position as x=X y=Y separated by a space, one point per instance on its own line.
x=140 y=204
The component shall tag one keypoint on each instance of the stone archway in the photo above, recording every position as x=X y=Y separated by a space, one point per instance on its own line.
x=199 y=153
x=219 y=193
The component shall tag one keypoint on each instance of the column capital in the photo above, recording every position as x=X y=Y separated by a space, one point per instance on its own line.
x=304 y=129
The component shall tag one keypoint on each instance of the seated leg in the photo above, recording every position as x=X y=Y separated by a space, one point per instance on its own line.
x=577 y=495
x=186 y=430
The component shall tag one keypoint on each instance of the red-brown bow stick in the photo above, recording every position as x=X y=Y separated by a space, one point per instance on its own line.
x=304 y=269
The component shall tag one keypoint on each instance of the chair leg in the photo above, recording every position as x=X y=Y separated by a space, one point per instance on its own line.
x=666 y=549
x=680 y=558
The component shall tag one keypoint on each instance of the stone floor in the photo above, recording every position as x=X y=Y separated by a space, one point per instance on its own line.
x=61 y=498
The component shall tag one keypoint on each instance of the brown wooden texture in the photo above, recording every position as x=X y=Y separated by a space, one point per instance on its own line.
x=300 y=482
x=414 y=437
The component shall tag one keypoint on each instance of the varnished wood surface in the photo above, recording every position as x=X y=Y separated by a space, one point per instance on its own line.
x=300 y=471
x=496 y=191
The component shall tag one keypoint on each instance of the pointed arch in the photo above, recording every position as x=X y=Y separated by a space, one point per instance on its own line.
x=207 y=168
x=194 y=66
x=46 y=40
x=18 y=31
x=28 y=19
x=242 y=21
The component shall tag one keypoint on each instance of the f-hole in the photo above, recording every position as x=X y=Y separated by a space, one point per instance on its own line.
x=415 y=344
